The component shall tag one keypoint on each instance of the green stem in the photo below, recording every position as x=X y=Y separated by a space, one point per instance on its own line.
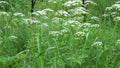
x=40 y=64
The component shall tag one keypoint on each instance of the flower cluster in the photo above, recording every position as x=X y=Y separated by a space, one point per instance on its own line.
x=58 y=33
x=77 y=24
x=90 y=2
x=57 y=19
x=117 y=19
x=4 y=2
x=95 y=25
x=62 y=13
x=78 y=11
x=72 y=3
x=114 y=12
x=53 y=1
x=86 y=25
x=44 y=25
x=18 y=14
x=80 y=33
x=105 y=15
x=118 y=41
x=114 y=6
x=48 y=10
x=42 y=12
x=13 y=37
x=97 y=43
x=95 y=18
x=4 y=13
x=72 y=23
x=29 y=21
x=55 y=33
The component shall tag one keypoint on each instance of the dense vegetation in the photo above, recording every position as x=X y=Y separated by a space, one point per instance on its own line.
x=60 y=34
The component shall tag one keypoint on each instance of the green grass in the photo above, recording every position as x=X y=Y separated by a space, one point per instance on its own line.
x=52 y=43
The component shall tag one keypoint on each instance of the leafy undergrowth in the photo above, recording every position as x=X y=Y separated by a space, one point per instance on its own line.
x=61 y=34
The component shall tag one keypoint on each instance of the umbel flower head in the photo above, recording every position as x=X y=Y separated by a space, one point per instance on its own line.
x=114 y=6
x=62 y=13
x=98 y=43
x=80 y=33
x=78 y=11
x=59 y=33
x=117 y=19
x=4 y=2
x=118 y=41
x=18 y=14
x=72 y=3
x=87 y=2
x=4 y=13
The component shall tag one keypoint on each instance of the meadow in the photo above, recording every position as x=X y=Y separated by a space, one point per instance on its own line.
x=60 y=34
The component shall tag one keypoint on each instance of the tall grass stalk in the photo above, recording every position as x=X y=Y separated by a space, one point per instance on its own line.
x=39 y=48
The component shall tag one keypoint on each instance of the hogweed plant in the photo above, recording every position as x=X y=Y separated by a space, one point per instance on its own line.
x=59 y=34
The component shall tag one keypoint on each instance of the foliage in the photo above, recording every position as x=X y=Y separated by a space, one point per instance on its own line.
x=60 y=34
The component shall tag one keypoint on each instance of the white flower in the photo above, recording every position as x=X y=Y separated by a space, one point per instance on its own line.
x=90 y=2
x=13 y=37
x=97 y=43
x=116 y=6
x=95 y=25
x=78 y=18
x=118 y=2
x=26 y=20
x=64 y=31
x=52 y=1
x=118 y=41
x=86 y=25
x=80 y=34
x=72 y=3
x=48 y=9
x=95 y=18
x=59 y=33
x=86 y=30
x=108 y=8
x=117 y=19
x=55 y=33
x=4 y=13
x=4 y=2
x=35 y=13
x=18 y=14
x=78 y=11
x=72 y=22
x=57 y=19
x=42 y=12
x=34 y=22
x=45 y=17
x=29 y=21
x=44 y=25
x=113 y=13
x=105 y=15
x=62 y=12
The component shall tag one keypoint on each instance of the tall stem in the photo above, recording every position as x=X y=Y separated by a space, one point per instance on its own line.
x=83 y=2
x=32 y=6
x=84 y=15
